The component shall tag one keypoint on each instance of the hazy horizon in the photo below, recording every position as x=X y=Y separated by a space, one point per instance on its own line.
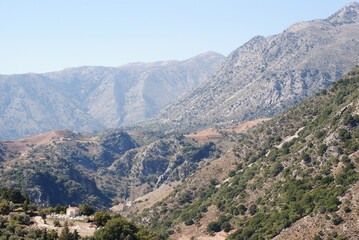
x=45 y=36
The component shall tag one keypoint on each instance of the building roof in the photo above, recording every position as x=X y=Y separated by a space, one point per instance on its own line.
x=74 y=208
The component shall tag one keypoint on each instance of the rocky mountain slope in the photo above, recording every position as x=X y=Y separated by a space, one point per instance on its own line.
x=63 y=167
x=88 y=98
x=294 y=177
x=268 y=74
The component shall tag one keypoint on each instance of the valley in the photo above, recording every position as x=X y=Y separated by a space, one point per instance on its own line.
x=261 y=144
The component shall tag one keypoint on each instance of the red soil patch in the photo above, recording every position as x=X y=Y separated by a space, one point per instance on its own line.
x=205 y=135
x=211 y=134
x=243 y=127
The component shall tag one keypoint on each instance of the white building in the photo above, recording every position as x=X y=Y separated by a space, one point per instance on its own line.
x=72 y=211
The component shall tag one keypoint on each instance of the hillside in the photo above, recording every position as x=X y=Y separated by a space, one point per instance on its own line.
x=101 y=169
x=268 y=74
x=294 y=177
x=89 y=98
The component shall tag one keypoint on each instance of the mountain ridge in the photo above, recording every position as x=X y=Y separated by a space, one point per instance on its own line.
x=90 y=98
x=266 y=75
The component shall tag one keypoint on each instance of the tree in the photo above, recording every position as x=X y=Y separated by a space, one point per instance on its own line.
x=75 y=235
x=25 y=206
x=52 y=235
x=15 y=196
x=115 y=227
x=44 y=235
x=101 y=217
x=86 y=209
x=4 y=208
x=60 y=209
x=65 y=233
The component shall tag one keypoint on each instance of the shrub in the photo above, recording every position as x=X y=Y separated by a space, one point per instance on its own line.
x=253 y=209
x=21 y=218
x=214 y=182
x=343 y=134
x=231 y=173
x=4 y=208
x=337 y=220
x=242 y=209
x=213 y=227
x=189 y=222
x=317 y=237
x=306 y=158
x=347 y=209
x=276 y=169
x=57 y=223
x=226 y=226
x=322 y=149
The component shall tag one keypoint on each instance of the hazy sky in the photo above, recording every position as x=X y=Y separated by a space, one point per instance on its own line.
x=49 y=35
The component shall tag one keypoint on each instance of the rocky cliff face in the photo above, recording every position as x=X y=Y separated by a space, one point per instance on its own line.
x=268 y=74
x=88 y=98
x=163 y=161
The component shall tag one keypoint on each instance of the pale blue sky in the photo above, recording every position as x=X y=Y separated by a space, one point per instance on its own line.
x=49 y=35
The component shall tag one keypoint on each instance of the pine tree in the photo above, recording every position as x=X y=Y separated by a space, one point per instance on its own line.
x=65 y=233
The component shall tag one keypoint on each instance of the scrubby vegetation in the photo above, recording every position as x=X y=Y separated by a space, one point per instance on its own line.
x=278 y=181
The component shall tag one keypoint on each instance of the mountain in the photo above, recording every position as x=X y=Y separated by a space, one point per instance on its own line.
x=268 y=74
x=89 y=98
x=294 y=177
x=298 y=169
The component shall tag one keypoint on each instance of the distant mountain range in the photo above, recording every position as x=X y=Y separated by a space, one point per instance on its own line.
x=259 y=79
x=89 y=98
x=268 y=74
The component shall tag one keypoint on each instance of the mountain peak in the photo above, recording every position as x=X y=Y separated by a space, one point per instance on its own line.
x=347 y=15
x=209 y=54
